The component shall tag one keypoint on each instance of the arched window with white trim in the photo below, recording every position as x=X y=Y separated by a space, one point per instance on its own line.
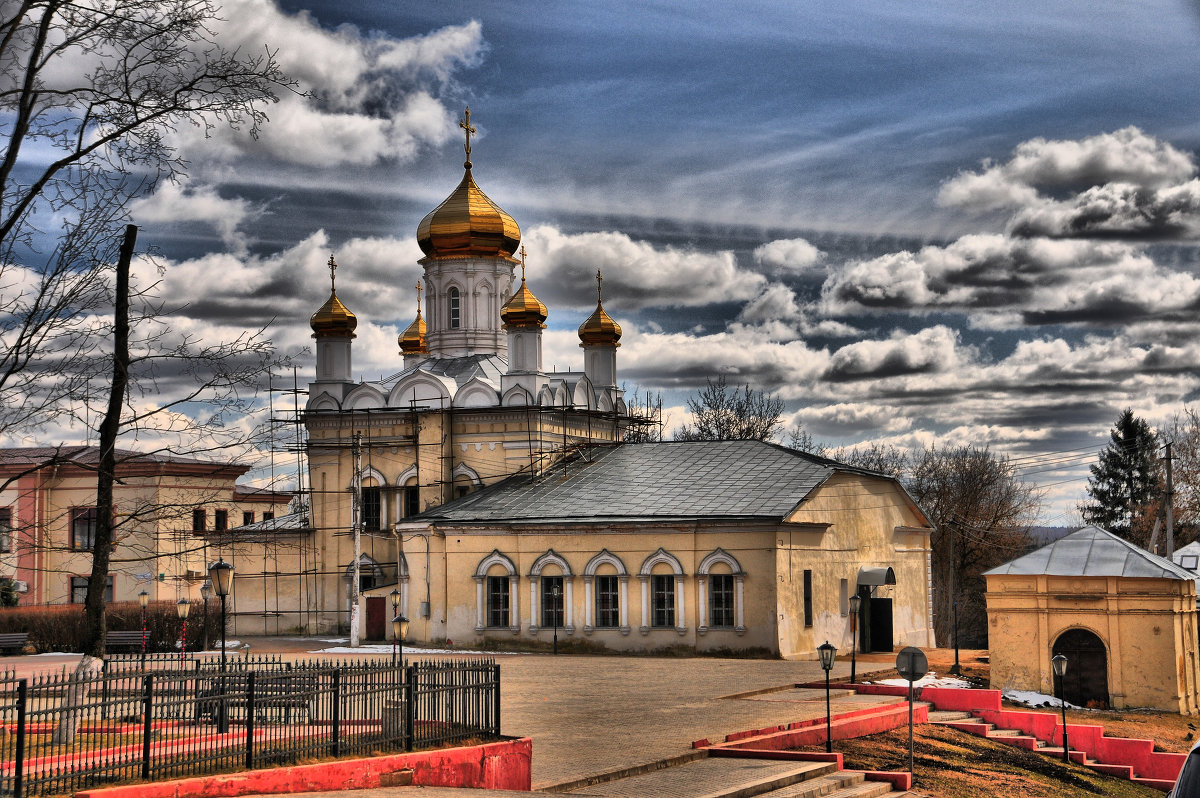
x=551 y=593
x=455 y=308
x=606 y=594
x=720 y=587
x=496 y=594
x=663 y=605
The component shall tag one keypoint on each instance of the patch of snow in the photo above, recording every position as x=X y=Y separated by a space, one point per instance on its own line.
x=1031 y=698
x=930 y=679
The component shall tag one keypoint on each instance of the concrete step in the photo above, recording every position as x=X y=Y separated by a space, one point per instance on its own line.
x=818 y=787
x=944 y=715
x=868 y=789
x=712 y=777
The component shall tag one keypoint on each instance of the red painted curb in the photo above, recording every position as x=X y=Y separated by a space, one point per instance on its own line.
x=504 y=765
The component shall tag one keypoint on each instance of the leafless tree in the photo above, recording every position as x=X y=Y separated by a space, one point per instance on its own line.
x=645 y=416
x=981 y=513
x=90 y=94
x=886 y=459
x=724 y=413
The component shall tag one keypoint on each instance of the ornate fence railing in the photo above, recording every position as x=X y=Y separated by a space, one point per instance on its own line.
x=61 y=734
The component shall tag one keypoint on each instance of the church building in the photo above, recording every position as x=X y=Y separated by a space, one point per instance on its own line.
x=482 y=495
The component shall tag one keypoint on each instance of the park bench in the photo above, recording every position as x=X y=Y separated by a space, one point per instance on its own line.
x=274 y=692
x=125 y=641
x=13 y=641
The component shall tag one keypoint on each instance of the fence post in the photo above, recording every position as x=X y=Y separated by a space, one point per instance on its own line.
x=250 y=720
x=335 y=715
x=147 y=717
x=19 y=764
x=410 y=706
x=496 y=699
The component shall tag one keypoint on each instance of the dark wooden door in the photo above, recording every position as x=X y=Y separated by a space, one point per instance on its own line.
x=1086 y=680
x=881 y=624
x=376 y=618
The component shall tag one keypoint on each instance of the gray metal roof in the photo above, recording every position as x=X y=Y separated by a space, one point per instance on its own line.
x=460 y=369
x=1093 y=551
x=675 y=479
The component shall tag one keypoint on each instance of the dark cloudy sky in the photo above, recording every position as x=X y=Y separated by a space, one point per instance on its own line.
x=961 y=222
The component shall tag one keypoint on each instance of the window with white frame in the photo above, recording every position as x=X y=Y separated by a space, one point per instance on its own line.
x=720 y=601
x=455 y=309
x=79 y=586
x=662 y=600
x=6 y=528
x=83 y=528
x=552 y=601
x=608 y=602
x=497 y=602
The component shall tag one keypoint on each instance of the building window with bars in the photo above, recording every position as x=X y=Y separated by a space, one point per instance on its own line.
x=497 y=602
x=199 y=521
x=608 y=602
x=552 y=601
x=221 y=520
x=247 y=517
x=662 y=601
x=83 y=528
x=372 y=508
x=720 y=601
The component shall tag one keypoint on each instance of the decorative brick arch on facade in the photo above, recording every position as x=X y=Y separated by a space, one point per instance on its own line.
x=481 y=598
x=719 y=555
x=679 y=607
x=551 y=557
x=605 y=557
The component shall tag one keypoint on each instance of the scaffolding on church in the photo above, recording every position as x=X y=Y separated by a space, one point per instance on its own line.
x=552 y=433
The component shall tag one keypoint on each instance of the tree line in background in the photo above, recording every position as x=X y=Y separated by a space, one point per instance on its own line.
x=981 y=509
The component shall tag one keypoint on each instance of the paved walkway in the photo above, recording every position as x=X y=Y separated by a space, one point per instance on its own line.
x=595 y=715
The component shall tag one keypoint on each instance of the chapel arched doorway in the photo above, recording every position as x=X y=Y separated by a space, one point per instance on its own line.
x=1086 y=680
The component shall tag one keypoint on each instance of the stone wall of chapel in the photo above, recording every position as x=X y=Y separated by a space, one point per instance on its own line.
x=484 y=285
x=852 y=522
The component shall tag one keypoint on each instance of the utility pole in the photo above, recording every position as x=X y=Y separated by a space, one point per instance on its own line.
x=356 y=522
x=1170 y=508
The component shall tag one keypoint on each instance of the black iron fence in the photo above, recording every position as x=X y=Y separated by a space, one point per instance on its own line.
x=63 y=734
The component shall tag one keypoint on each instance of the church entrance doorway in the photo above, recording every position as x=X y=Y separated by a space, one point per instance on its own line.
x=1086 y=681
x=881 y=624
x=377 y=618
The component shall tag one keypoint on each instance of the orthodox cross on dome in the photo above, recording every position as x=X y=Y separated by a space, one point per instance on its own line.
x=332 y=276
x=418 y=297
x=522 y=263
x=599 y=287
x=465 y=124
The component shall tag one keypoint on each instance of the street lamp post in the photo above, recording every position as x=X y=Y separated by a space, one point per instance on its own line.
x=854 y=602
x=206 y=591
x=827 y=653
x=221 y=575
x=182 y=608
x=555 y=610
x=1059 y=663
x=399 y=632
x=144 y=600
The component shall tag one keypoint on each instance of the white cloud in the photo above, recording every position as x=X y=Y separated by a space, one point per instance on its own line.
x=190 y=202
x=562 y=271
x=788 y=256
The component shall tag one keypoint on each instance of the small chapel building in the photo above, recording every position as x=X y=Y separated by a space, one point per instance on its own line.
x=473 y=480
x=1124 y=618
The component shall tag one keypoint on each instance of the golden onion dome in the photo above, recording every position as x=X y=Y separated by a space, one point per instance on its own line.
x=468 y=223
x=599 y=329
x=524 y=309
x=333 y=319
x=412 y=340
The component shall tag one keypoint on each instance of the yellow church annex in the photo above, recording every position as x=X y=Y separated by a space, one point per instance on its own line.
x=489 y=497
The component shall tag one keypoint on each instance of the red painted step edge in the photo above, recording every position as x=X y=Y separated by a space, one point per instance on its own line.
x=504 y=765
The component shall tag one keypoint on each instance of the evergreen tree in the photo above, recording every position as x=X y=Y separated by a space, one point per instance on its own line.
x=1126 y=485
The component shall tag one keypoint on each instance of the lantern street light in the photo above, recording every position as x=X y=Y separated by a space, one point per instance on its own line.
x=556 y=609
x=855 y=602
x=827 y=653
x=221 y=574
x=1059 y=663
x=395 y=597
x=182 y=608
x=206 y=592
x=144 y=600
x=399 y=632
